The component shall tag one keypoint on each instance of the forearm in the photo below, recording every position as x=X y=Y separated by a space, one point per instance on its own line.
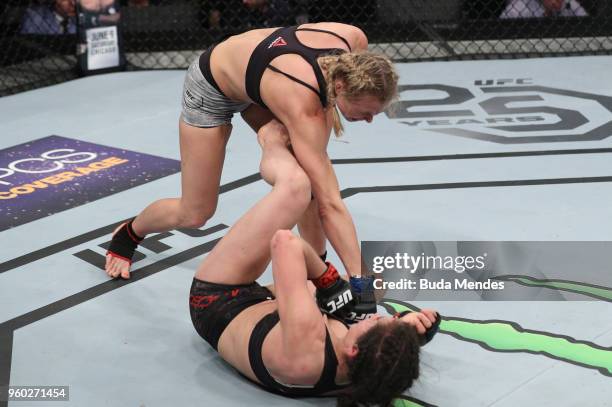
x=310 y=228
x=340 y=231
x=309 y=137
x=315 y=267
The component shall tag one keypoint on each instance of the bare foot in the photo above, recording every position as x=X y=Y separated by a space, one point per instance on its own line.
x=116 y=266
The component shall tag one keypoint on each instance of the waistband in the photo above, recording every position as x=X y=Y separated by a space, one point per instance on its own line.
x=205 y=68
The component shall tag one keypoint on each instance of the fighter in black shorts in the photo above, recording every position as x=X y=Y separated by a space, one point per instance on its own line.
x=278 y=336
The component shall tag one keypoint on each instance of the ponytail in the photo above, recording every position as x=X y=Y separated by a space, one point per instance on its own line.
x=337 y=125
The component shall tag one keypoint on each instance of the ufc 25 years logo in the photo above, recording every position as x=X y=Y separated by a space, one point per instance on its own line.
x=495 y=110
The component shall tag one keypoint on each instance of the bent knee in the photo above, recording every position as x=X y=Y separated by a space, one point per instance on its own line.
x=273 y=128
x=196 y=219
x=296 y=184
x=282 y=238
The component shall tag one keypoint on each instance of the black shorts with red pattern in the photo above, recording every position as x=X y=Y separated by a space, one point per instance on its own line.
x=213 y=306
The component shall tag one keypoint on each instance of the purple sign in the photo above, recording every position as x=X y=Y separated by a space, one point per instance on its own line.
x=54 y=173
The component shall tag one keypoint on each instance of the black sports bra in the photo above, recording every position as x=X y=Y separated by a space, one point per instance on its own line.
x=326 y=382
x=284 y=41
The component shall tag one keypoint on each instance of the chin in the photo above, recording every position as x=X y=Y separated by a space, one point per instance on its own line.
x=344 y=117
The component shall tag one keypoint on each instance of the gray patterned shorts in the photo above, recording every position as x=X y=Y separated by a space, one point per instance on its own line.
x=203 y=105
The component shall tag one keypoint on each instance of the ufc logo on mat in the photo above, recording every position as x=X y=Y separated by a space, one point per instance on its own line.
x=341 y=301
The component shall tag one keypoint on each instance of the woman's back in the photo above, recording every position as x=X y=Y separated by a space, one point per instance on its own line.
x=230 y=58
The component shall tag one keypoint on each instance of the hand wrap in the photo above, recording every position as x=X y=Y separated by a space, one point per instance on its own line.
x=124 y=242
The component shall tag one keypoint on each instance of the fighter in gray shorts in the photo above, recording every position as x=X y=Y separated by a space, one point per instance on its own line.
x=203 y=103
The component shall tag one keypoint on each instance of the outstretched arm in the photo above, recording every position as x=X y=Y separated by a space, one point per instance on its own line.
x=309 y=133
x=335 y=217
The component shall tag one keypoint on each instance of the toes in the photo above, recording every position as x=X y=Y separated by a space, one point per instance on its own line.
x=108 y=264
x=113 y=271
x=118 y=269
x=115 y=267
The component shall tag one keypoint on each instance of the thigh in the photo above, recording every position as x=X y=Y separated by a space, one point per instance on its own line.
x=202 y=156
x=244 y=252
x=256 y=116
x=213 y=306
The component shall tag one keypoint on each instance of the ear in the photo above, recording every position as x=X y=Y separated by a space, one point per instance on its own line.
x=338 y=86
x=353 y=351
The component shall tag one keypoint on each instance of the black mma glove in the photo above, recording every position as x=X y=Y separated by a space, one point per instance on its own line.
x=351 y=302
x=430 y=332
x=333 y=293
x=364 y=300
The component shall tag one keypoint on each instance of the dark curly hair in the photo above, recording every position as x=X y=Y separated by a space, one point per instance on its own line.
x=386 y=365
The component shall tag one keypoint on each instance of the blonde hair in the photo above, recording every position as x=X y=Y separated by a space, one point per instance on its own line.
x=363 y=73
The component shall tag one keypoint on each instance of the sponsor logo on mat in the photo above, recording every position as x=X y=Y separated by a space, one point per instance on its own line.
x=52 y=174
